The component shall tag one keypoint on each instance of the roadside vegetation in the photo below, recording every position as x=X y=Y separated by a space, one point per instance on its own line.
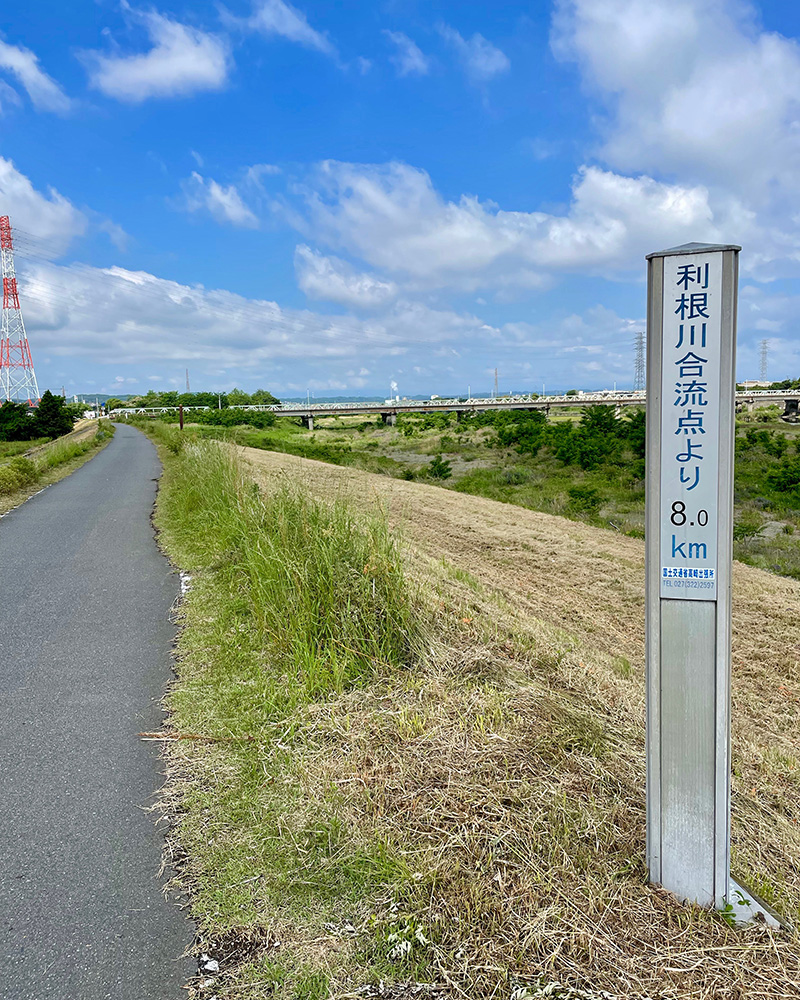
x=28 y=466
x=389 y=776
x=51 y=418
x=583 y=464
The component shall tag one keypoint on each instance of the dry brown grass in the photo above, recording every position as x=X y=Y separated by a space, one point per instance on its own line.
x=510 y=767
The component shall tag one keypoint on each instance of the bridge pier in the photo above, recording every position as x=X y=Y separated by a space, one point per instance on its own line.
x=308 y=421
x=390 y=419
x=791 y=411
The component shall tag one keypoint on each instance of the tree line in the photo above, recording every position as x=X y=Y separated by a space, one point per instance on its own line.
x=50 y=419
x=217 y=400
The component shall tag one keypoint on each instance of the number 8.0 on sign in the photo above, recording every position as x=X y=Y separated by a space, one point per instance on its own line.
x=680 y=517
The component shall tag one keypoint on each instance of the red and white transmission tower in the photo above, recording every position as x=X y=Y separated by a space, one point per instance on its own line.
x=17 y=377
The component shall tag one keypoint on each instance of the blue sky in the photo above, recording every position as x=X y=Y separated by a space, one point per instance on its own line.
x=338 y=197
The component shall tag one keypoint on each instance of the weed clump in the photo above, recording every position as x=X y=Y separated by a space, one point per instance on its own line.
x=324 y=589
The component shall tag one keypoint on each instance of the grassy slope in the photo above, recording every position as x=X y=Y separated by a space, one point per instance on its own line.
x=26 y=470
x=470 y=815
x=768 y=532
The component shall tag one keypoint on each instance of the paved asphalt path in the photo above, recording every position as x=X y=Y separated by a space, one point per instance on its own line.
x=84 y=659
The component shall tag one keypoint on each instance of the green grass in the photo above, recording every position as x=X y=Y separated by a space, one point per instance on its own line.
x=399 y=798
x=21 y=474
x=325 y=590
x=8 y=449
x=293 y=601
x=609 y=496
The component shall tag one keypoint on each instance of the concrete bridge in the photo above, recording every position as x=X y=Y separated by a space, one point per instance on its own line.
x=389 y=409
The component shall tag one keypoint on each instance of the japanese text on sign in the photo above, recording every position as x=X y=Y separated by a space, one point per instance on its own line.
x=690 y=382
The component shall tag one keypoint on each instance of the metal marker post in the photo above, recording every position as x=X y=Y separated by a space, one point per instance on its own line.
x=691 y=337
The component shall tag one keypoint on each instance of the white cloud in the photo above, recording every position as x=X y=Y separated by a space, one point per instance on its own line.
x=224 y=203
x=42 y=89
x=697 y=90
x=392 y=217
x=51 y=219
x=253 y=175
x=409 y=58
x=136 y=324
x=182 y=61
x=480 y=58
x=541 y=148
x=118 y=317
x=274 y=17
x=115 y=233
x=693 y=87
x=762 y=313
x=8 y=96
x=333 y=280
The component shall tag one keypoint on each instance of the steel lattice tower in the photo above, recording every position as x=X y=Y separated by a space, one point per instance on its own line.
x=639 y=373
x=764 y=360
x=17 y=377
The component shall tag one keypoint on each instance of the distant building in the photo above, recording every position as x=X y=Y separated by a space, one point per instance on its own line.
x=754 y=383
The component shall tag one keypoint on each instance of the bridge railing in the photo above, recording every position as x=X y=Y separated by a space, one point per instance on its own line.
x=456 y=403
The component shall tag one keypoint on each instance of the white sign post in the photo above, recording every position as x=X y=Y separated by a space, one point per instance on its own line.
x=691 y=335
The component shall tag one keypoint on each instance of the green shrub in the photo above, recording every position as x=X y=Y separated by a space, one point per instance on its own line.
x=9 y=480
x=585 y=499
x=749 y=524
x=25 y=470
x=515 y=476
x=440 y=468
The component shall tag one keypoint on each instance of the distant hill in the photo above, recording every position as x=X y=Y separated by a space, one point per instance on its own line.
x=90 y=397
